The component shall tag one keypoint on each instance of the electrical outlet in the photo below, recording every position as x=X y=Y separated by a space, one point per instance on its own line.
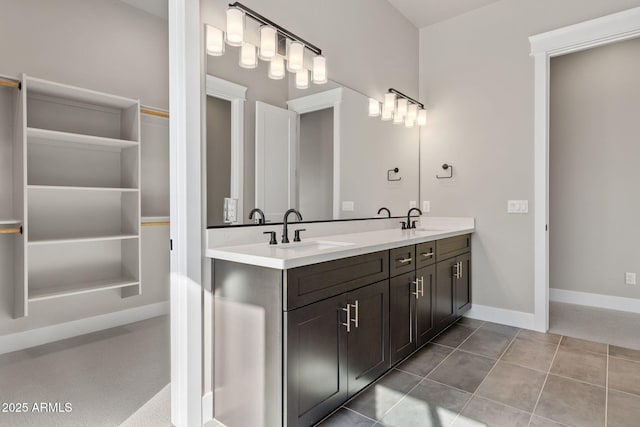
x=413 y=204
x=630 y=278
x=348 y=206
x=426 y=206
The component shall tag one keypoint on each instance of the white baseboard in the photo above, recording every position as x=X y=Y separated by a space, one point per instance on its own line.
x=518 y=319
x=207 y=407
x=631 y=305
x=47 y=334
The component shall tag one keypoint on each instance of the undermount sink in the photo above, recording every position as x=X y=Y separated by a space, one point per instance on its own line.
x=312 y=245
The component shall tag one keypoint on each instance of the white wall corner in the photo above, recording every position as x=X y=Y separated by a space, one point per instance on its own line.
x=48 y=334
x=518 y=319
x=207 y=407
x=631 y=305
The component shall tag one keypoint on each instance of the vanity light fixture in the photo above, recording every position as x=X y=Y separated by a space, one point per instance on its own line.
x=235 y=26
x=374 y=107
x=215 y=41
x=401 y=108
x=274 y=39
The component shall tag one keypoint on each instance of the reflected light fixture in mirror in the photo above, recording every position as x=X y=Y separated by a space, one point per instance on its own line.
x=412 y=113
x=422 y=117
x=276 y=68
x=397 y=118
x=302 y=79
x=215 y=41
x=386 y=115
x=248 y=57
x=319 y=69
x=268 y=42
x=389 y=102
x=295 y=57
x=374 y=108
x=401 y=108
x=235 y=26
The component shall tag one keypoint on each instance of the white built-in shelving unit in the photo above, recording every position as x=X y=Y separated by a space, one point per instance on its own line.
x=80 y=206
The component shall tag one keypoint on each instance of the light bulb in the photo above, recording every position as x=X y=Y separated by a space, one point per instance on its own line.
x=295 y=57
x=235 y=26
x=374 y=107
x=215 y=41
x=412 y=112
x=302 y=79
x=268 y=43
x=276 y=68
x=422 y=117
x=319 y=69
x=248 y=58
x=389 y=102
x=386 y=114
x=401 y=108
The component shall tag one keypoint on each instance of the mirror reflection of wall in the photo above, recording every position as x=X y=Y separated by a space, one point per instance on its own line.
x=218 y=157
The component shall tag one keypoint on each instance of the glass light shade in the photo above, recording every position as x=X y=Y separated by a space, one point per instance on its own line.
x=276 y=68
x=398 y=119
x=319 y=69
x=302 y=79
x=268 y=43
x=295 y=59
x=235 y=26
x=374 y=108
x=389 y=102
x=248 y=57
x=386 y=114
x=422 y=117
x=215 y=41
x=409 y=123
x=412 y=112
x=401 y=107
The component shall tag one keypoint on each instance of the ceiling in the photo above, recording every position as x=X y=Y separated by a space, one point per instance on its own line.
x=426 y=12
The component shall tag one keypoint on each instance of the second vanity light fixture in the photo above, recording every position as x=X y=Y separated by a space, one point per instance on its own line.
x=400 y=108
x=272 y=37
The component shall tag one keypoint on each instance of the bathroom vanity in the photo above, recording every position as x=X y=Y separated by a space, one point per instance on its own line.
x=303 y=327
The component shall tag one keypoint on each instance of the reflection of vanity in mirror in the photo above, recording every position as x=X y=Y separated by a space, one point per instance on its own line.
x=273 y=147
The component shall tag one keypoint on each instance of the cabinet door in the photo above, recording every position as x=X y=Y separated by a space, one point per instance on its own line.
x=424 y=305
x=316 y=361
x=368 y=340
x=445 y=310
x=463 y=284
x=402 y=314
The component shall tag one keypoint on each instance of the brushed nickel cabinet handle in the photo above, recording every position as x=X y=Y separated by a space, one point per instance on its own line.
x=457 y=272
x=348 y=324
x=421 y=286
x=417 y=292
x=356 y=320
x=461 y=269
x=404 y=260
x=428 y=254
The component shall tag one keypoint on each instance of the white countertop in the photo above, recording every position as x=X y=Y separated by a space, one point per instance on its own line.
x=327 y=248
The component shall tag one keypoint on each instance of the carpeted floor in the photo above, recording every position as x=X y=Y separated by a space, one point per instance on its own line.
x=106 y=377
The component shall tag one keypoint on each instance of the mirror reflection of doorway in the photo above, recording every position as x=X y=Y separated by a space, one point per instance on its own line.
x=218 y=159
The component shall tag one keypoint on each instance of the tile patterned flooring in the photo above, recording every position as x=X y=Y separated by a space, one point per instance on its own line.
x=484 y=374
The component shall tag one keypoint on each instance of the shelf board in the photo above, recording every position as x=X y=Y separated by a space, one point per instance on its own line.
x=59 y=90
x=53 y=137
x=58 y=291
x=9 y=221
x=37 y=242
x=73 y=188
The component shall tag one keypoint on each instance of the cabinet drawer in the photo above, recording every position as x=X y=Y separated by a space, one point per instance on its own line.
x=425 y=254
x=402 y=260
x=453 y=246
x=312 y=283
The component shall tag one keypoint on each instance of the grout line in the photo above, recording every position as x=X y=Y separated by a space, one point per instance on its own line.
x=606 y=392
x=487 y=376
x=578 y=381
x=625 y=359
x=356 y=412
x=544 y=384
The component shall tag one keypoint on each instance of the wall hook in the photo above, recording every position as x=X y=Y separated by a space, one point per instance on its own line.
x=445 y=167
x=394 y=170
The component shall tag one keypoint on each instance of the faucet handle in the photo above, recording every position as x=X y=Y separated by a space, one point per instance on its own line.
x=413 y=224
x=273 y=240
x=404 y=225
x=296 y=234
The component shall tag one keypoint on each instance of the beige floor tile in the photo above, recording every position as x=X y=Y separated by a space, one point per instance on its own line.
x=580 y=344
x=482 y=412
x=581 y=365
x=532 y=354
x=454 y=336
x=425 y=359
x=624 y=353
x=463 y=371
x=624 y=410
x=538 y=336
x=513 y=385
x=487 y=343
x=571 y=402
x=624 y=375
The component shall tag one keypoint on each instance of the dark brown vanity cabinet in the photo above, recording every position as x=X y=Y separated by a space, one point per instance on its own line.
x=453 y=279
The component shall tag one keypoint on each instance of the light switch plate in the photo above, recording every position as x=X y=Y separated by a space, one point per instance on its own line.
x=630 y=278
x=518 y=206
x=426 y=206
x=348 y=206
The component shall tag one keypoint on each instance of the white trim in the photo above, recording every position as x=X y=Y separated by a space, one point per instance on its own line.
x=225 y=89
x=207 y=407
x=597 y=32
x=186 y=88
x=320 y=101
x=518 y=319
x=611 y=302
x=48 y=334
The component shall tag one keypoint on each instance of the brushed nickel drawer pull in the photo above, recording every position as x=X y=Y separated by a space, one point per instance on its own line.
x=417 y=292
x=348 y=324
x=405 y=260
x=356 y=320
x=421 y=286
x=457 y=272
x=427 y=254
x=460 y=269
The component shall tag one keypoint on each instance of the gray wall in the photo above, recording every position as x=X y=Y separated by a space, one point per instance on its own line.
x=594 y=174
x=218 y=158
x=476 y=78
x=315 y=173
x=103 y=45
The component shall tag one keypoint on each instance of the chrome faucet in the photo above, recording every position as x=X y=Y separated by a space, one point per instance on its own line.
x=259 y=212
x=285 y=221
x=410 y=224
x=385 y=209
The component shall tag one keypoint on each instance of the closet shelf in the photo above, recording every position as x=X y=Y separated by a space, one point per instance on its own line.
x=72 y=188
x=40 y=294
x=59 y=90
x=54 y=137
x=36 y=242
x=9 y=221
